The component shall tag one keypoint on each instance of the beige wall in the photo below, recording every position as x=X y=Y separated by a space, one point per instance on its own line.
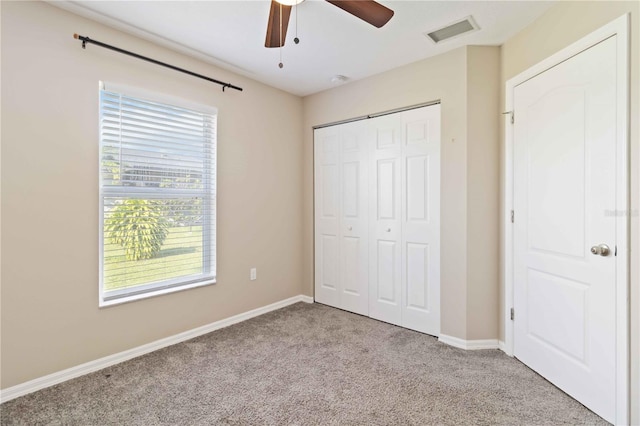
x=446 y=78
x=562 y=25
x=483 y=177
x=50 y=316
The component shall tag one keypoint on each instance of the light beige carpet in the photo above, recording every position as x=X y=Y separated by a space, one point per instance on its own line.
x=306 y=364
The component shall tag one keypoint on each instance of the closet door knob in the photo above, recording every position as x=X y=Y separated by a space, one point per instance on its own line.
x=602 y=250
x=388 y=229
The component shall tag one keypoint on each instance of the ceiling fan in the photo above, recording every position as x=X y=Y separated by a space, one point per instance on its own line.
x=368 y=10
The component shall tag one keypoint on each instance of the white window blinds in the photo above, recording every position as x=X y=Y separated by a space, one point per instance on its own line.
x=158 y=193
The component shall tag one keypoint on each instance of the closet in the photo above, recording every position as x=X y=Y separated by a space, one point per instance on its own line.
x=377 y=217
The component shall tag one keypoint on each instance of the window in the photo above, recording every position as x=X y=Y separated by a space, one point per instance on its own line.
x=157 y=195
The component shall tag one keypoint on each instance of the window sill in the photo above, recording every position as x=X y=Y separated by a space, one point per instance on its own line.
x=126 y=299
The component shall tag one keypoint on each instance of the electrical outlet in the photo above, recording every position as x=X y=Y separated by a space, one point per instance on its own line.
x=253 y=274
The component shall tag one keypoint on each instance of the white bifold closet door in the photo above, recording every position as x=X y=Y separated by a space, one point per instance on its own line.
x=377 y=218
x=404 y=219
x=341 y=235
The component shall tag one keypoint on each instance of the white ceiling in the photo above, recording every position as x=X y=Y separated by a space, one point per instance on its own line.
x=231 y=34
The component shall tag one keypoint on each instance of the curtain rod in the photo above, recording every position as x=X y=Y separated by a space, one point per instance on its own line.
x=86 y=40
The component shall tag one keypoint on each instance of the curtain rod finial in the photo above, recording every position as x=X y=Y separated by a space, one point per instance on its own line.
x=76 y=36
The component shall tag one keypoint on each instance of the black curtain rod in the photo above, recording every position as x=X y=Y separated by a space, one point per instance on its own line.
x=86 y=40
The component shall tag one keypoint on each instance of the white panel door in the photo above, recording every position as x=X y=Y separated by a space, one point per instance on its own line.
x=354 y=232
x=327 y=215
x=341 y=217
x=421 y=219
x=564 y=185
x=385 y=273
x=377 y=218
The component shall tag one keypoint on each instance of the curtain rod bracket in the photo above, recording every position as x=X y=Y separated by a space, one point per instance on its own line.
x=86 y=40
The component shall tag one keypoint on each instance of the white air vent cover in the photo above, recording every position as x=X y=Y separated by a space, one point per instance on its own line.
x=463 y=26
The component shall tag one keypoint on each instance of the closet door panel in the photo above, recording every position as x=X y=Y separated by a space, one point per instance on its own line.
x=421 y=220
x=417 y=261
x=327 y=215
x=385 y=221
x=386 y=270
x=377 y=218
x=354 y=233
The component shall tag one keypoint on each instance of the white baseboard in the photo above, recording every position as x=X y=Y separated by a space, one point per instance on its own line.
x=501 y=346
x=98 y=364
x=469 y=344
x=305 y=299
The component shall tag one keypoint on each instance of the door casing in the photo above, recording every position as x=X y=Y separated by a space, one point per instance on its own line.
x=620 y=29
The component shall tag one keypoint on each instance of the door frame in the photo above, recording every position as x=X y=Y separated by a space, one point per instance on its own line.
x=620 y=28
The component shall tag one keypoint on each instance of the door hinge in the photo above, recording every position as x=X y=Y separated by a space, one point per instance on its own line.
x=615 y=253
x=512 y=216
x=512 y=314
x=512 y=114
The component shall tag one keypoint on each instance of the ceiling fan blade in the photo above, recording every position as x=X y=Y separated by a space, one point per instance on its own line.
x=367 y=10
x=273 y=26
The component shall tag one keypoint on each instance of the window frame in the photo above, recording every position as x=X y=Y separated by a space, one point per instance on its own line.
x=144 y=291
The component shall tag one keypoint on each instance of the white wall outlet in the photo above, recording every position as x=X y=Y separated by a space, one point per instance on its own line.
x=253 y=274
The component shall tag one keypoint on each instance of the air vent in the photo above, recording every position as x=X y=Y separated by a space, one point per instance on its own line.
x=455 y=29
